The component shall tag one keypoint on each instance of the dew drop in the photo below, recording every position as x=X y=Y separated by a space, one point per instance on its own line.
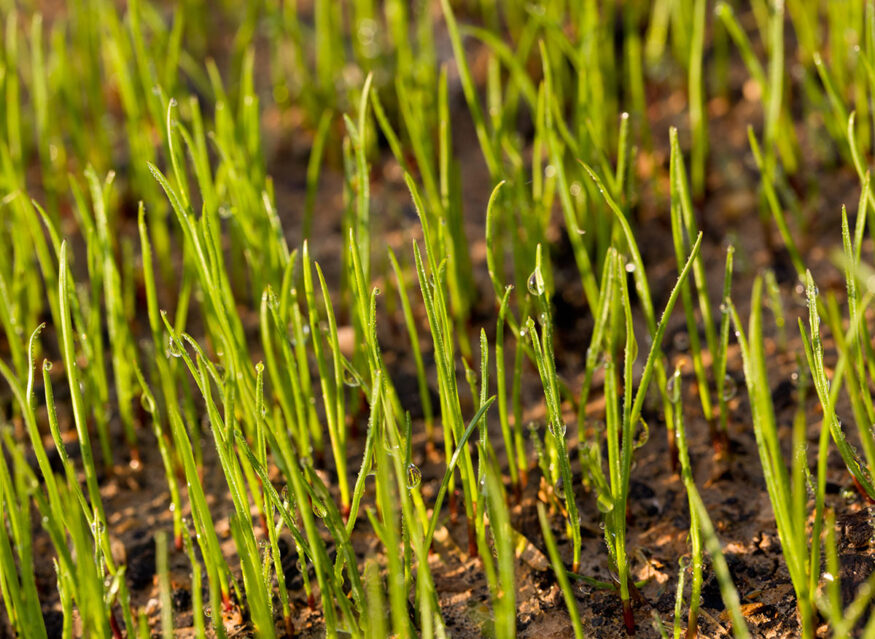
x=350 y=379
x=147 y=403
x=47 y=365
x=173 y=347
x=730 y=388
x=414 y=476
x=319 y=509
x=642 y=435
x=536 y=283
x=559 y=488
x=558 y=429
x=673 y=387
x=630 y=267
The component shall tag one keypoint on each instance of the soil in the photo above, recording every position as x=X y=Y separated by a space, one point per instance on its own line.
x=137 y=499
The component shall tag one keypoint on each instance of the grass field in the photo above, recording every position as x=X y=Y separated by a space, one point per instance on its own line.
x=444 y=318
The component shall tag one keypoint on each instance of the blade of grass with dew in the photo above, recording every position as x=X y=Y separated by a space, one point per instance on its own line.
x=545 y=360
x=791 y=529
x=813 y=345
x=410 y=324
x=620 y=465
x=448 y=389
x=723 y=391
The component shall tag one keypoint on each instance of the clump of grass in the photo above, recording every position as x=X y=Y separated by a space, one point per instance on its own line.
x=787 y=487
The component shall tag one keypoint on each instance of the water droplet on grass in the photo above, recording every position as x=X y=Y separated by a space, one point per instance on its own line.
x=414 y=476
x=673 y=387
x=730 y=388
x=173 y=348
x=604 y=504
x=642 y=435
x=147 y=403
x=319 y=509
x=536 y=283
x=558 y=429
x=350 y=379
